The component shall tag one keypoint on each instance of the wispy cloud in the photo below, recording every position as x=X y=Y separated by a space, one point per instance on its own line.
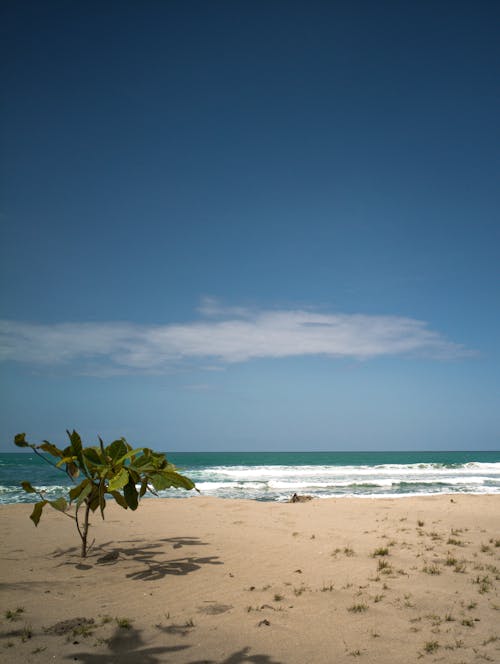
x=220 y=336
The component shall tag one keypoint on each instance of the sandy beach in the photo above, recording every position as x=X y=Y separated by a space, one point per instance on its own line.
x=205 y=580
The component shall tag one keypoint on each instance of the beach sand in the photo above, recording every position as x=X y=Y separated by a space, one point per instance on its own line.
x=205 y=580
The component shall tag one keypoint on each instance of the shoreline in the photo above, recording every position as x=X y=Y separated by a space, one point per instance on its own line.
x=224 y=580
x=185 y=495
x=277 y=476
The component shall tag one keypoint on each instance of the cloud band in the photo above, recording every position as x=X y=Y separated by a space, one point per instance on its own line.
x=222 y=335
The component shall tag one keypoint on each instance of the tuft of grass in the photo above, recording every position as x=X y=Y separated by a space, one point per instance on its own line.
x=467 y=622
x=358 y=608
x=39 y=649
x=449 y=617
x=14 y=615
x=355 y=653
x=431 y=646
x=384 y=567
x=484 y=583
x=431 y=569
x=455 y=542
x=348 y=551
x=26 y=633
x=189 y=623
x=450 y=561
x=124 y=623
x=485 y=548
x=408 y=603
x=420 y=523
x=378 y=598
x=435 y=619
x=381 y=551
x=327 y=588
x=84 y=630
x=298 y=591
x=278 y=598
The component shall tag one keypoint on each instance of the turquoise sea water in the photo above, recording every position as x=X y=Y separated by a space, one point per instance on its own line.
x=277 y=475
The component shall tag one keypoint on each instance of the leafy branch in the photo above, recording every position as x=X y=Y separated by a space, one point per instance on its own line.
x=114 y=470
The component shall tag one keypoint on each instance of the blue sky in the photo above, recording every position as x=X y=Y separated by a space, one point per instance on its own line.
x=251 y=226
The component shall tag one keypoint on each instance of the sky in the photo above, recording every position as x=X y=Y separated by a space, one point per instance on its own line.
x=251 y=226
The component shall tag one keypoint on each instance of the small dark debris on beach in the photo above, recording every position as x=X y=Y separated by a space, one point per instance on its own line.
x=299 y=499
x=109 y=557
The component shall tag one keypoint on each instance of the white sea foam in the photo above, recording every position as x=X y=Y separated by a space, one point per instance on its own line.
x=279 y=482
x=243 y=473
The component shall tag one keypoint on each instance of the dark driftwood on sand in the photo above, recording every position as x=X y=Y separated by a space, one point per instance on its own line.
x=299 y=499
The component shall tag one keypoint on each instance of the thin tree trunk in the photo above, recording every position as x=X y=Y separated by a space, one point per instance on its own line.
x=85 y=529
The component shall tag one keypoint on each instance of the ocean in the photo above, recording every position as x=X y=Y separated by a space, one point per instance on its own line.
x=276 y=476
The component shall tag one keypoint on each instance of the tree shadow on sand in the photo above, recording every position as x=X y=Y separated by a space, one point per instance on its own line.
x=127 y=548
x=148 y=554
x=127 y=647
x=242 y=656
x=157 y=569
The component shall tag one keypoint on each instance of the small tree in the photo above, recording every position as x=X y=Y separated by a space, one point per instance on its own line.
x=113 y=470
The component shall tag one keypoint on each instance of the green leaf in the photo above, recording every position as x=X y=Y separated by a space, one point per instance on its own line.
x=85 y=492
x=76 y=444
x=28 y=488
x=118 y=481
x=59 y=504
x=102 y=499
x=94 y=498
x=51 y=449
x=144 y=486
x=37 y=511
x=65 y=459
x=168 y=478
x=135 y=476
x=130 y=494
x=19 y=440
x=130 y=454
x=76 y=491
x=119 y=499
x=141 y=461
x=92 y=456
x=72 y=469
x=117 y=449
x=160 y=482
